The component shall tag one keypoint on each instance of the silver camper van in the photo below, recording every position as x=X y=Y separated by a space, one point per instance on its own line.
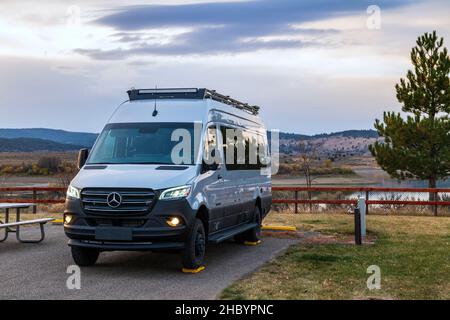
x=173 y=169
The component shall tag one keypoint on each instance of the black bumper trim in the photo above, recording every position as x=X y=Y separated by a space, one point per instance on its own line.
x=126 y=246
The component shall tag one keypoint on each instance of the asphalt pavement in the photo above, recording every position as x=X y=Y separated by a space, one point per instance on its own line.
x=39 y=271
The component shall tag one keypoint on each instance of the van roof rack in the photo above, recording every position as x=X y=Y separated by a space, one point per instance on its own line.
x=189 y=93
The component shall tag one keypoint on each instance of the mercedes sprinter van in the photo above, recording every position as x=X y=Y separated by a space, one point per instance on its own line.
x=173 y=169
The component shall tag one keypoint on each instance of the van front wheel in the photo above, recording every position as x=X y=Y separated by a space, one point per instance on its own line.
x=84 y=257
x=252 y=235
x=194 y=252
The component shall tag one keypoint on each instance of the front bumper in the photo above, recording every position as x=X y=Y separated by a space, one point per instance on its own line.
x=121 y=232
x=126 y=246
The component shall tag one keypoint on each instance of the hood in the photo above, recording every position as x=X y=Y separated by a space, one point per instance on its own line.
x=134 y=176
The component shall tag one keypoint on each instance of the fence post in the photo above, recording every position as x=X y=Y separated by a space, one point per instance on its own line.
x=362 y=215
x=357 y=227
x=296 y=199
x=34 y=199
x=436 y=198
x=367 y=199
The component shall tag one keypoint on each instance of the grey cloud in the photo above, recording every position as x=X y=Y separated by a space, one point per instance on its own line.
x=226 y=27
x=206 y=40
x=180 y=49
x=261 y=13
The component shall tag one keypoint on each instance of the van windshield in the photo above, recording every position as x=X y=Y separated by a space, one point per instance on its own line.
x=145 y=143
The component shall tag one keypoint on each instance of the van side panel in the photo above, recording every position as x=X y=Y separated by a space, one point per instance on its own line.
x=243 y=187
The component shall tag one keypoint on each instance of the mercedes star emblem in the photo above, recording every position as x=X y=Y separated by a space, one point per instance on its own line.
x=114 y=199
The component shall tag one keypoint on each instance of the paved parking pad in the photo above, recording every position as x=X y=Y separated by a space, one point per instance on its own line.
x=39 y=271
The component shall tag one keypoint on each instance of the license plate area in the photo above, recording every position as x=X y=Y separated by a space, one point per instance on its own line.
x=114 y=234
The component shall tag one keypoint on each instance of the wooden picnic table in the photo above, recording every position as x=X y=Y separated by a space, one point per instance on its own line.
x=14 y=227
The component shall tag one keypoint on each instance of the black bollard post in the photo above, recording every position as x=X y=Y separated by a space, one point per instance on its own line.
x=358 y=240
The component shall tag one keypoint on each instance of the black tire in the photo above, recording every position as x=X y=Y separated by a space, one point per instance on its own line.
x=252 y=235
x=84 y=257
x=194 y=252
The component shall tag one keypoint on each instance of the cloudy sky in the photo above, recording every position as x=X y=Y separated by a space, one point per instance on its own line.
x=312 y=65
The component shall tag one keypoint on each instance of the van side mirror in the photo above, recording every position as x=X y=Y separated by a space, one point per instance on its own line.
x=82 y=157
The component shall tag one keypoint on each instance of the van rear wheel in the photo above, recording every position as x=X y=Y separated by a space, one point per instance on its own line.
x=194 y=252
x=84 y=257
x=252 y=235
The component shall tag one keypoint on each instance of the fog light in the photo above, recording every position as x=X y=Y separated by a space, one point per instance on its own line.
x=67 y=218
x=173 y=221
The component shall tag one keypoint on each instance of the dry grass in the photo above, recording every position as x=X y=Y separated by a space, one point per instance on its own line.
x=17 y=158
x=412 y=253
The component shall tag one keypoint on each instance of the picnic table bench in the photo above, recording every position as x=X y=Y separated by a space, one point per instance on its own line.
x=14 y=227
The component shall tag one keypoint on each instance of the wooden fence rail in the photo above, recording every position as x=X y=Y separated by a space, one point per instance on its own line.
x=364 y=190
x=34 y=195
x=17 y=193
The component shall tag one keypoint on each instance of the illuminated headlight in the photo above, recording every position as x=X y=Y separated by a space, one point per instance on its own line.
x=73 y=192
x=67 y=219
x=175 y=193
x=173 y=221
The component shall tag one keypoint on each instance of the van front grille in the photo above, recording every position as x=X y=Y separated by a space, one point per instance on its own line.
x=121 y=201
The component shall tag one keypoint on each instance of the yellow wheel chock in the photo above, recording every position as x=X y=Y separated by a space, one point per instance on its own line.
x=199 y=269
x=279 y=228
x=252 y=243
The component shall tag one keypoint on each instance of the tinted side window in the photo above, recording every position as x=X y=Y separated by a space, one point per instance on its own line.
x=242 y=149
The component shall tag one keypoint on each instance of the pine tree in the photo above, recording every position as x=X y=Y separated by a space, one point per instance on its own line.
x=418 y=147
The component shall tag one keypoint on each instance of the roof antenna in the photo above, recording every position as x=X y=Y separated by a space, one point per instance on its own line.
x=155 y=112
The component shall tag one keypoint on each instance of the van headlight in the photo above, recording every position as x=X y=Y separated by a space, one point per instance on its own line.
x=175 y=193
x=73 y=192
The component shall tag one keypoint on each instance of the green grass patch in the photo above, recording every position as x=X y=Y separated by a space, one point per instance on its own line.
x=412 y=253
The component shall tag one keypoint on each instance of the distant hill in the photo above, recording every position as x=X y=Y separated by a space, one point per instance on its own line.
x=367 y=134
x=331 y=145
x=33 y=144
x=347 y=133
x=65 y=137
x=349 y=142
x=292 y=136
